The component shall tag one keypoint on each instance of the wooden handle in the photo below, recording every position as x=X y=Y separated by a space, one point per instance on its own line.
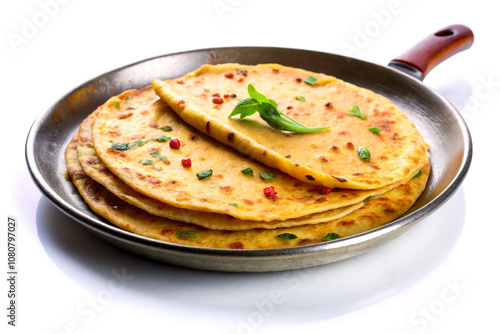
x=435 y=48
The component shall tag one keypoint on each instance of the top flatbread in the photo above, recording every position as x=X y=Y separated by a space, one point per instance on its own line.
x=135 y=119
x=326 y=158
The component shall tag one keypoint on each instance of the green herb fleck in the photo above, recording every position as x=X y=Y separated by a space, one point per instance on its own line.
x=268 y=111
x=374 y=130
x=310 y=80
x=363 y=153
x=155 y=153
x=166 y=128
x=121 y=146
x=234 y=204
x=162 y=157
x=267 y=175
x=368 y=199
x=163 y=138
x=186 y=234
x=146 y=162
x=417 y=175
x=354 y=111
x=331 y=236
x=301 y=98
x=247 y=171
x=287 y=236
x=204 y=174
x=138 y=143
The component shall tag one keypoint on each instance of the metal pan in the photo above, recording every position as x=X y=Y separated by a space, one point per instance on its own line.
x=439 y=122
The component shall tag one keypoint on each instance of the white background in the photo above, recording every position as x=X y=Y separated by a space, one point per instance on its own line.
x=439 y=277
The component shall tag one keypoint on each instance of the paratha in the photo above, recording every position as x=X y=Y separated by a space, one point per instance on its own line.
x=206 y=97
x=133 y=135
x=375 y=213
x=96 y=170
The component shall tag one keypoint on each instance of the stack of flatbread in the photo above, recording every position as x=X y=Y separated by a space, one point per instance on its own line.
x=166 y=161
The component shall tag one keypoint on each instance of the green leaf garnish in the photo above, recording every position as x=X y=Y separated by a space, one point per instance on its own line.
x=287 y=236
x=138 y=143
x=363 y=153
x=331 y=236
x=204 y=174
x=267 y=175
x=247 y=171
x=268 y=111
x=419 y=174
x=146 y=162
x=374 y=130
x=301 y=98
x=354 y=111
x=166 y=128
x=366 y=200
x=121 y=146
x=163 y=138
x=186 y=234
x=234 y=204
x=310 y=80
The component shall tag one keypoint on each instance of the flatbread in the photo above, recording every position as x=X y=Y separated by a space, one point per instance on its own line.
x=375 y=213
x=327 y=158
x=135 y=119
x=95 y=169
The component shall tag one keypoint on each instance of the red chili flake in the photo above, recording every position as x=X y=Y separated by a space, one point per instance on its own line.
x=226 y=96
x=229 y=75
x=180 y=81
x=233 y=96
x=240 y=79
x=324 y=190
x=215 y=95
x=329 y=105
x=236 y=245
x=275 y=70
x=270 y=193
x=186 y=162
x=350 y=145
x=289 y=107
x=175 y=143
x=298 y=79
x=218 y=100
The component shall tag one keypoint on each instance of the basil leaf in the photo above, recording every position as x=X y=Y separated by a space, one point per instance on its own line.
x=269 y=112
x=363 y=153
x=247 y=171
x=246 y=107
x=267 y=175
x=204 y=174
x=261 y=98
x=374 y=130
x=310 y=80
x=287 y=236
x=354 y=111
x=331 y=236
